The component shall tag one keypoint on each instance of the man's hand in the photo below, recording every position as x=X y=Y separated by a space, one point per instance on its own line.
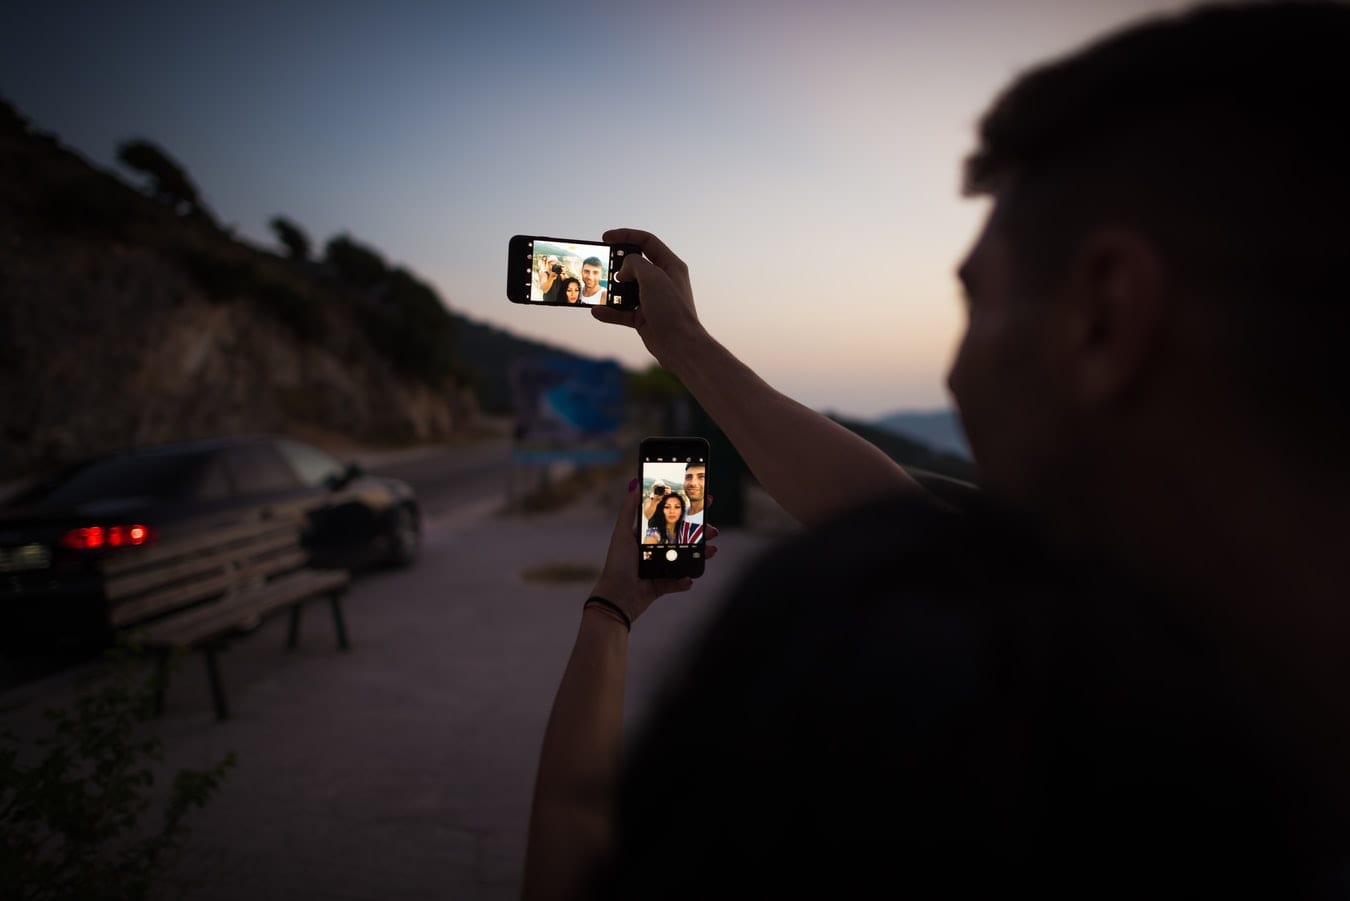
x=619 y=581
x=665 y=319
x=751 y=412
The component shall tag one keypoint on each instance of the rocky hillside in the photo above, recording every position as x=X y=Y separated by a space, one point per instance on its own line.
x=124 y=321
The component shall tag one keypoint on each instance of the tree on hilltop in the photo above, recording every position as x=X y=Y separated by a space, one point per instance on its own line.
x=292 y=237
x=169 y=181
x=356 y=264
x=11 y=121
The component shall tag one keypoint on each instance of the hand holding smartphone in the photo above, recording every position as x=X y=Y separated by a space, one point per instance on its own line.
x=564 y=272
x=672 y=520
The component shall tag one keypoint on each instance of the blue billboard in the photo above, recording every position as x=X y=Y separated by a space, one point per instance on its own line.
x=567 y=408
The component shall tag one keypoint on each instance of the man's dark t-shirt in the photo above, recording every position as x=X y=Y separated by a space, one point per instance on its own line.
x=919 y=702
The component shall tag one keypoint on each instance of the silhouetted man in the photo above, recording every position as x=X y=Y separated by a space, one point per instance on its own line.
x=1123 y=669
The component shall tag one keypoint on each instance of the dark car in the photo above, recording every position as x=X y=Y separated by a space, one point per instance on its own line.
x=54 y=533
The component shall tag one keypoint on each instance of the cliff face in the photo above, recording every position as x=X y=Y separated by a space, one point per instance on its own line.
x=122 y=323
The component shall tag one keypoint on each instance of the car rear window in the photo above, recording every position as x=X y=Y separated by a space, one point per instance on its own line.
x=159 y=476
x=259 y=469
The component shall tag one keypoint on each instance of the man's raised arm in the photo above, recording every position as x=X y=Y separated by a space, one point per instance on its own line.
x=814 y=467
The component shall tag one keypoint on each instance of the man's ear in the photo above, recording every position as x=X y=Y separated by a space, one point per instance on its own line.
x=1113 y=314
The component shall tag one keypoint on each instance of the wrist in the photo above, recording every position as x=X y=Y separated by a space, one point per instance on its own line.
x=598 y=605
x=685 y=350
x=615 y=594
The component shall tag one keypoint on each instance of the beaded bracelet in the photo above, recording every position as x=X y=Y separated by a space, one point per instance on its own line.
x=610 y=609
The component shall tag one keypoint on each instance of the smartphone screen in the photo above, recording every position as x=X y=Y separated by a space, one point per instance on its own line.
x=558 y=272
x=673 y=479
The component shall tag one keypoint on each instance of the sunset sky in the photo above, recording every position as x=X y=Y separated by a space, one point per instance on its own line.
x=802 y=157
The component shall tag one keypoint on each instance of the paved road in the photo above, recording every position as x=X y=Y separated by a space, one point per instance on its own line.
x=449 y=479
x=403 y=768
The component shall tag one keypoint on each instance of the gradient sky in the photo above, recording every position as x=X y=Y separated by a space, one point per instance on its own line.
x=802 y=157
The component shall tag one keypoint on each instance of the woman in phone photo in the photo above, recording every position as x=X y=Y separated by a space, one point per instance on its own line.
x=667 y=526
x=572 y=290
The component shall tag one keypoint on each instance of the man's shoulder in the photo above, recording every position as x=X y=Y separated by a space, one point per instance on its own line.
x=912 y=536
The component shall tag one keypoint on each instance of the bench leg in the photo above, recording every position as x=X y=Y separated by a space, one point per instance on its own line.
x=294 y=633
x=217 y=689
x=335 y=601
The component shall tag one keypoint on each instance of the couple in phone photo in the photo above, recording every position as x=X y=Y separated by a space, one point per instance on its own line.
x=556 y=281
x=675 y=517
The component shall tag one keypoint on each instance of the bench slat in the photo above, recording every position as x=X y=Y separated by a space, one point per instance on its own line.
x=171 y=598
x=136 y=558
x=224 y=581
x=225 y=617
x=185 y=564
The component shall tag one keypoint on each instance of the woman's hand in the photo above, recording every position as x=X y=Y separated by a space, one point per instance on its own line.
x=619 y=580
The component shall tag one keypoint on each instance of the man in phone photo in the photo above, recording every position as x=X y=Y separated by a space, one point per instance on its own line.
x=591 y=292
x=695 y=481
x=1120 y=666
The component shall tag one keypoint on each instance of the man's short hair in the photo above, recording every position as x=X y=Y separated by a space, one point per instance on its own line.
x=1219 y=134
x=689 y=466
x=592 y=261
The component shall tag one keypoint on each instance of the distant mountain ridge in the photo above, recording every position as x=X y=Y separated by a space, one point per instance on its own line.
x=939 y=429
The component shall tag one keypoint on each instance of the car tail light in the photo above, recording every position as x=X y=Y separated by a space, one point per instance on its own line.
x=91 y=538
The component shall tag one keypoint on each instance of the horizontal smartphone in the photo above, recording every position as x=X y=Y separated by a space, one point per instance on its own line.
x=561 y=272
x=673 y=478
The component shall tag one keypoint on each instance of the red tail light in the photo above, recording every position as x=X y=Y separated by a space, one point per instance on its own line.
x=90 y=538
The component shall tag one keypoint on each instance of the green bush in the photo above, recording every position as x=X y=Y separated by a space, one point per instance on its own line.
x=72 y=817
x=300 y=312
x=90 y=205
x=220 y=279
x=401 y=315
x=292 y=237
x=223 y=280
x=354 y=263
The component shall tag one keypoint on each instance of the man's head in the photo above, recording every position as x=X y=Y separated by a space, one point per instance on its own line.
x=1169 y=222
x=590 y=273
x=695 y=475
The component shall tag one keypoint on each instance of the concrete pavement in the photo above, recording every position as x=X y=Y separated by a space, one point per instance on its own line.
x=403 y=768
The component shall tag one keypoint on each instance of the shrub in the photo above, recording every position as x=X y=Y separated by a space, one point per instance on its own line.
x=223 y=280
x=72 y=819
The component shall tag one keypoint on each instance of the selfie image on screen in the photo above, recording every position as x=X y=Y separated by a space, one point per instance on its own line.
x=672 y=502
x=570 y=273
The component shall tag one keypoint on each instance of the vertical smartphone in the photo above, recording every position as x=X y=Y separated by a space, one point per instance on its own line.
x=673 y=479
x=562 y=272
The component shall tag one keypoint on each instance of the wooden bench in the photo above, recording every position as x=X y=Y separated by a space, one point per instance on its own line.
x=202 y=591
